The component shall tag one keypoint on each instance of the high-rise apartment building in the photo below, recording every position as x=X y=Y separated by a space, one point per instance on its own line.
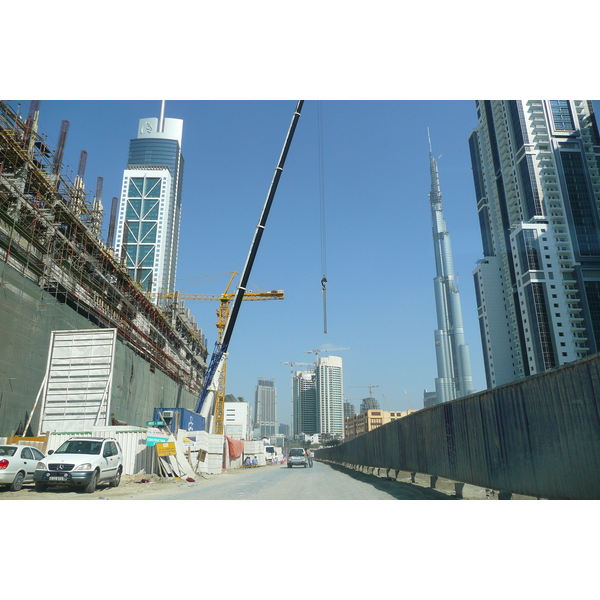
x=330 y=396
x=349 y=409
x=265 y=408
x=536 y=169
x=304 y=402
x=147 y=234
x=454 y=378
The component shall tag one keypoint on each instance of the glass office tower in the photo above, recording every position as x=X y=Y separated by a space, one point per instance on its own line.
x=265 y=407
x=536 y=169
x=147 y=235
x=304 y=402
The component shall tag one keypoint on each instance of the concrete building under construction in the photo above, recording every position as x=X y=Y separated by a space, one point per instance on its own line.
x=56 y=274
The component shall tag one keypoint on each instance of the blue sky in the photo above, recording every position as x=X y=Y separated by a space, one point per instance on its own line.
x=379 y=249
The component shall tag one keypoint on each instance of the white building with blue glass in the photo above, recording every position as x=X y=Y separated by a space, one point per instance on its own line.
x=147 y=233
x=536 y=168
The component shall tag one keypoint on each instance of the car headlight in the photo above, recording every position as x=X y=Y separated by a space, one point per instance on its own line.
x=41 y=467
x=84 y=467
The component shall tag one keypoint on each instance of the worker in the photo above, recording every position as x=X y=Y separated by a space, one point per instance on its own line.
x=248 y=461
x=255 y=461
x=310 y=457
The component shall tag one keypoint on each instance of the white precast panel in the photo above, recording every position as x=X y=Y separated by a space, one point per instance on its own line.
x=78 y=380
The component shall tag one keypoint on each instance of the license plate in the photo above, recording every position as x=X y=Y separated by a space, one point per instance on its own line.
x=58 y=478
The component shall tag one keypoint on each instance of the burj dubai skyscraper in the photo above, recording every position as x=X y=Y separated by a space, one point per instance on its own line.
x=454 y=378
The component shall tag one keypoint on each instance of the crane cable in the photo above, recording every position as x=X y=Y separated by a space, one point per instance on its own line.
x=322 y=220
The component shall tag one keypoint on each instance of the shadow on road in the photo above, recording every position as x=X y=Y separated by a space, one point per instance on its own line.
x=397 y=489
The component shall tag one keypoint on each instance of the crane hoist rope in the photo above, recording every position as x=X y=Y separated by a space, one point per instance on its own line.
x=322 y=218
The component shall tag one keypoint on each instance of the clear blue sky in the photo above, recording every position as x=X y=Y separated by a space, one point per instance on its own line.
x=379 y=249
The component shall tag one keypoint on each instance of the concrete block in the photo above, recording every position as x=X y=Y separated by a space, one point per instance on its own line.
x=405 y=476
x=422 y=480
x=466 y=491
x=446 y=486
x=523 y=497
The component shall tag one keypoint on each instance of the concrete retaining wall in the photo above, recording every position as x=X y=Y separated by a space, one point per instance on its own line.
x=539 y=438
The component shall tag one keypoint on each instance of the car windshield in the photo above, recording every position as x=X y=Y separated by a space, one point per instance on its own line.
x=80 y=447
x=296 y=452
x=7 y=450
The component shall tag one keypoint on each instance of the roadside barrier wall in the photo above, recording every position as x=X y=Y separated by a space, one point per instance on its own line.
x=537 y=437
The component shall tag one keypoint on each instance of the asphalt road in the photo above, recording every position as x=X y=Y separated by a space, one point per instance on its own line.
x=277 y=482
x=322 y=482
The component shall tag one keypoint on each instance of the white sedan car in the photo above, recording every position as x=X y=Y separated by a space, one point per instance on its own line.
x=17 y=465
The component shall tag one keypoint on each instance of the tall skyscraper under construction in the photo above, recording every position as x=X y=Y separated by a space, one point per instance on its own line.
x=536 y=169
x=454 y=378
x=147 y=234
x=265 y=407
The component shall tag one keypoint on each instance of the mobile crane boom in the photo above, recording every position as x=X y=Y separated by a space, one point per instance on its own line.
x=216 y=362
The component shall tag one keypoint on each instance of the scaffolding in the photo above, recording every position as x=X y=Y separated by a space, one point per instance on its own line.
x=49 y=233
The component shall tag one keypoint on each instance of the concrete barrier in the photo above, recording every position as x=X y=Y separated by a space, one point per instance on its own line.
x=534 y=438
x=458 y=489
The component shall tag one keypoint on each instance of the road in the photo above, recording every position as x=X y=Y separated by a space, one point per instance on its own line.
x=277 y=482
x=322 y=482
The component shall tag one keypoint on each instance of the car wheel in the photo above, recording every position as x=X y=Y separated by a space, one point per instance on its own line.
x=289 y=466
x=40 y=487
x=117 y=480
x=91 y=486
x=17 y=483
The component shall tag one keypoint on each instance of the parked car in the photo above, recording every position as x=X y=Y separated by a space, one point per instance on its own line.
x=81 y=462
x=297 y=456
x=17 y=465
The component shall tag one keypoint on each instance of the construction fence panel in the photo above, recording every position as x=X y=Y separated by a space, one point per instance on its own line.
x=537 y=437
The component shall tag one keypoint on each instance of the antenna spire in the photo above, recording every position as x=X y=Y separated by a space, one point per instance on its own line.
x=161 y=120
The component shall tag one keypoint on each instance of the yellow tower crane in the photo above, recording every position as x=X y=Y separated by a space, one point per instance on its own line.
x=222 y=316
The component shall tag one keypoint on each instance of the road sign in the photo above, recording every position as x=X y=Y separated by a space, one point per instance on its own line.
x=166 y=449
x=155 y=439
x=155 y=423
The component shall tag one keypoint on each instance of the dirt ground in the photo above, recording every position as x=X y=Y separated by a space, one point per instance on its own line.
x=131 y=487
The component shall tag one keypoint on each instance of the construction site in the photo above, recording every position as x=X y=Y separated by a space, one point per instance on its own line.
x=89 y=346
x=57 y=274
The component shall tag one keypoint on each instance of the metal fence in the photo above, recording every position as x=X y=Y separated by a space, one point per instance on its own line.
x=538 y=437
